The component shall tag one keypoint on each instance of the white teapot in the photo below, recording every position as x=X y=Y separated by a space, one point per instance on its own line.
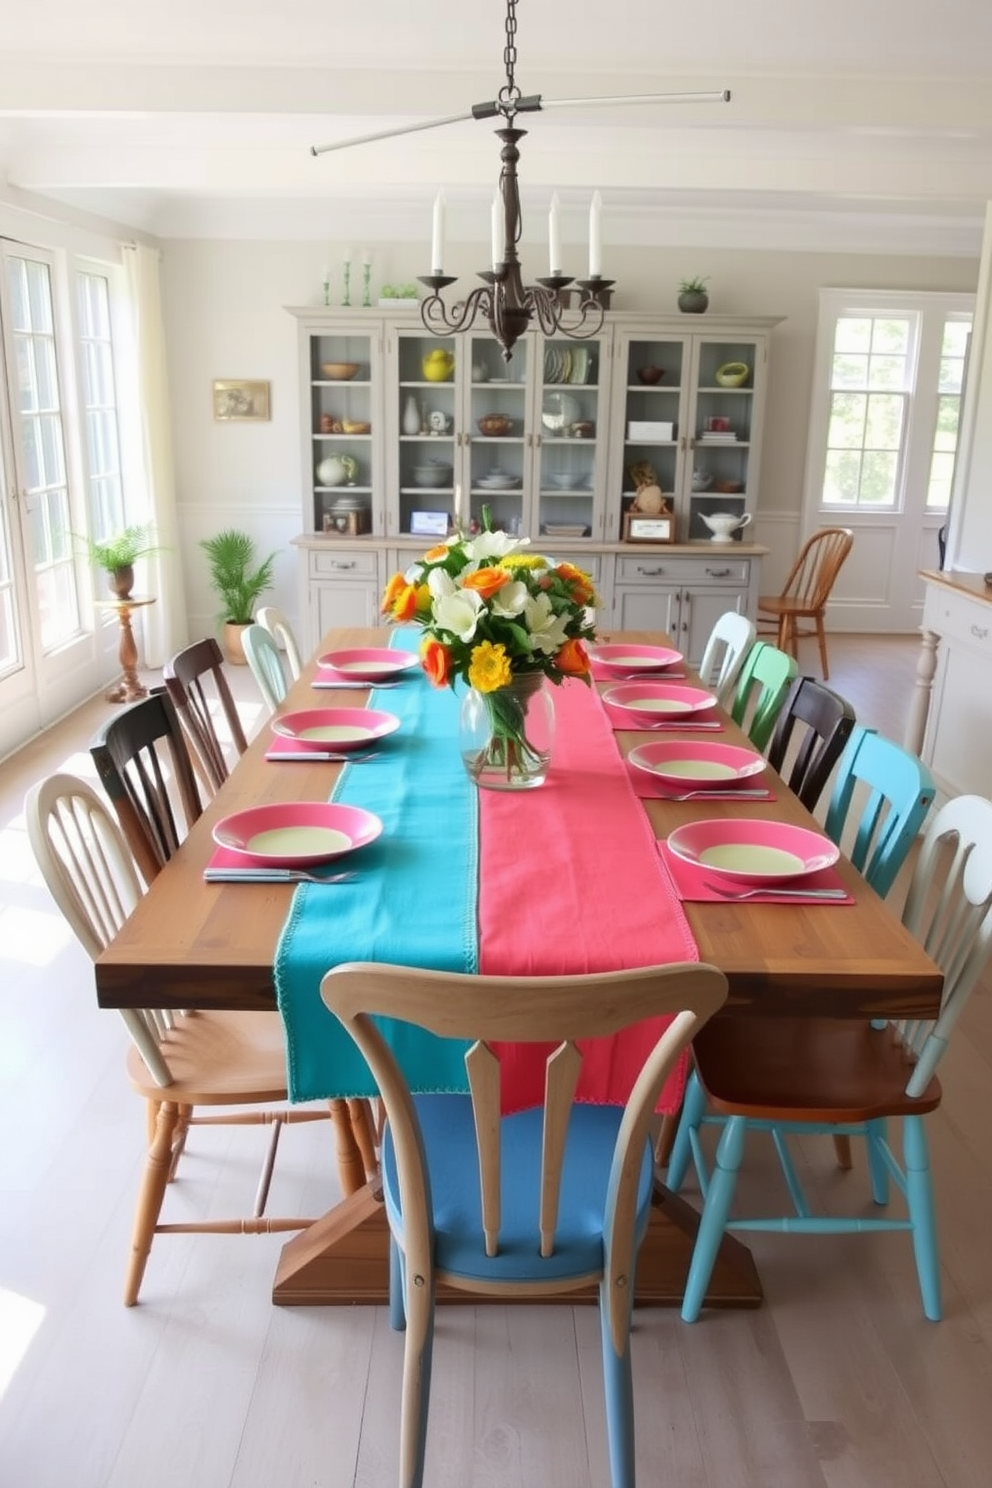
x=724 y=524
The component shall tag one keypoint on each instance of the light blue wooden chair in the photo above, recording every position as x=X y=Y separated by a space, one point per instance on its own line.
x=556 y=1197
x=262 y=656
x=761 y=691
x=882 y=792
x=850 y=1076
x=279 y=629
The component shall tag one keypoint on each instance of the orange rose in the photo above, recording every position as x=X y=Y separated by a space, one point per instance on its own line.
x=579 y=583
x=405 y=603
x=394 y=588
x=436 y=662
x=433 y=554
x=486 y=581
x=573 y=659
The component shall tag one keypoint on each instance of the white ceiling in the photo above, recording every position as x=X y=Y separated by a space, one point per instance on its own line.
x=859 y=123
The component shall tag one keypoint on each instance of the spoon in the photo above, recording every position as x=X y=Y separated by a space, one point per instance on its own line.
x=778 y=893
x=721 y=795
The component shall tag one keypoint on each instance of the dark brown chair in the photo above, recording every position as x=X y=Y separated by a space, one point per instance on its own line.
x=806 y=591
x=145 y=769
x=825 y=722
x=197 y=685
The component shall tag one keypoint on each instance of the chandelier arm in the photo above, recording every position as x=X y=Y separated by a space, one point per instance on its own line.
x=721 y=96
x=440 y=321
x=382 y=134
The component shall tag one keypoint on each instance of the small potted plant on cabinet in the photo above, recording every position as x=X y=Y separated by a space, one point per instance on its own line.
x=117 y=555
x=239 y=583
x=693 y=298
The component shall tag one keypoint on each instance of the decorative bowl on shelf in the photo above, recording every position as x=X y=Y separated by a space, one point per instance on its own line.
x=355 y=426
x=650 y=375
x=432 y=474
x=584 y=429
x=732 y=374
x=728 y=487
x=495 y=424
x=340 y=371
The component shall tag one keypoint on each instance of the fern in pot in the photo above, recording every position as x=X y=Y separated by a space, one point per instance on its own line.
x=239 y=582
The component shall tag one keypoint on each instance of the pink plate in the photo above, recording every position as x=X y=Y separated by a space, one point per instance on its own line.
x=645 y=703
x=368 y=663
x=753 y=852
x=293 y=834
x=623 y=660
x=696 y=765
x=336 y=728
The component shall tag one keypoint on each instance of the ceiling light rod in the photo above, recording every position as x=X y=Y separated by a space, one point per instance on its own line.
x=503 y=300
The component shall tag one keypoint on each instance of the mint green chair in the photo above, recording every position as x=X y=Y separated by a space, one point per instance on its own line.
x=262 y=656
x=850 y=1077
x=762 y=687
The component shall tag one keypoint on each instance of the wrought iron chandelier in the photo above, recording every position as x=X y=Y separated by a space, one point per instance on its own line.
x=503 y=300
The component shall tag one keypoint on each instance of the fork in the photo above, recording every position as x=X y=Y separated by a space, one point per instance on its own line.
x=778 y=893
x=273 y=875
x=721 y=795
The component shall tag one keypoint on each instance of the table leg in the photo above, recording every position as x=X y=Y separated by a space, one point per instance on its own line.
x=130 y=688
x=919 y=707
x=343 y=1259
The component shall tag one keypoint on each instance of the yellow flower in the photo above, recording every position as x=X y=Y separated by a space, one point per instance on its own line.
x=523 y=560
x=489 y=667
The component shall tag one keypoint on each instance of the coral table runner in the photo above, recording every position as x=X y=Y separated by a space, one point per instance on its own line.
x=562 y=879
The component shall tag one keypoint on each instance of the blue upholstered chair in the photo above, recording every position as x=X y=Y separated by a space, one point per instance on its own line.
x=553 y=1197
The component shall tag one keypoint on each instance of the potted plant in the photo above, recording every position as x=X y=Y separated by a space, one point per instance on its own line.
x=239 y=583
x=117 y=555
x=693 y=298
x=392 y=294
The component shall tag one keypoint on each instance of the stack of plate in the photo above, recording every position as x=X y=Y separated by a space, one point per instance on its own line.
x=497 y=480
x=566 y=364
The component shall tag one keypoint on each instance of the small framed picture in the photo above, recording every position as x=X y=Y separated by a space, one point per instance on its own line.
x=718 y=425
x=236 y=401
x=429 y=524
x=659 y=529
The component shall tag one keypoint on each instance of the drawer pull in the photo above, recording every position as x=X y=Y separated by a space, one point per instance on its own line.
x=337 y=564
x=719 y=573
x=649 y=573
x=980 y=632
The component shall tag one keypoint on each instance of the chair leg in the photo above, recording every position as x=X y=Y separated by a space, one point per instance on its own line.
x=919 y=1196
x=417 y=1355
x=363 y=1128
x=842 y=1147
x=619 y=1397
x=666 y=1137
x=878 y=1172
x=153 y=1185
x=821 y=638
x=716 y=1211
x=693 y=1110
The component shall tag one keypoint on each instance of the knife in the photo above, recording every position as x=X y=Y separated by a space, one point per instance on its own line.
x=271 y=875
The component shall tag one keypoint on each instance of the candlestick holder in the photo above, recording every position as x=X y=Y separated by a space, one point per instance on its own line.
x=599 y=289
x=346 y=297
x=366 y=285
x=327 y=288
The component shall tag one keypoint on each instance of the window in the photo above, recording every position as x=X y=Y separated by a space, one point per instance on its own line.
x=869 y=387
x=99 y=400
x=953 y=361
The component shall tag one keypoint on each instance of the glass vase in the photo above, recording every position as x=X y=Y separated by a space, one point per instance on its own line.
x=506 y=735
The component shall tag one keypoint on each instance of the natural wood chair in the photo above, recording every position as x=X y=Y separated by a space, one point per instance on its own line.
x=852 y=1077
x=178 y=1061
x=807 y=590
x=143 y=762
x=563 y=1192
x=262 y=656
x=761 y=690
x=816 y=723
x=197 y=685
x=279 y=629
x=729 y=642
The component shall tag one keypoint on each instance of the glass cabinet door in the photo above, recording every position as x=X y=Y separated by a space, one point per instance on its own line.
x=345 y=473
x=572 y=420
x=652 y=391
x=724 y=379
x=498 y=433
x=425 y=434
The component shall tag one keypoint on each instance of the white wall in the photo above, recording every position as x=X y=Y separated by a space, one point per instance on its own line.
x=225 y=317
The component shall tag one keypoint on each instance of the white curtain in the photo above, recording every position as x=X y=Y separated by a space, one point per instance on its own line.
x=164 y=623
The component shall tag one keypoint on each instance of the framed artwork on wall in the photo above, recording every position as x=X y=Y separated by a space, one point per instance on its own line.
x=236 y=400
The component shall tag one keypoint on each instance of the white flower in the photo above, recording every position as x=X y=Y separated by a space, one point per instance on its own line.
x=493 y=545
x=548 y=631
x=509 y=601
x=457 y=611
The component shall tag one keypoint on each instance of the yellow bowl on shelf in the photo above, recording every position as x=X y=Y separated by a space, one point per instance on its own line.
x=733 y=374
x=339 y=371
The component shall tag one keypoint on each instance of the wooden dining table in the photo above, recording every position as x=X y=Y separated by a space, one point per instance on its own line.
x=190 y=944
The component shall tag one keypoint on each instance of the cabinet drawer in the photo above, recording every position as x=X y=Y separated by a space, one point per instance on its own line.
x=958 y=618
x=345 y=563
x=657 y=568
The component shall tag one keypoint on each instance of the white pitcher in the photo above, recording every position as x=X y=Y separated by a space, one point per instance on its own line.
x=724 y=524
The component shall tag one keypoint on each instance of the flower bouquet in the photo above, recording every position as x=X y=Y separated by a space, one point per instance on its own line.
x=501 y=620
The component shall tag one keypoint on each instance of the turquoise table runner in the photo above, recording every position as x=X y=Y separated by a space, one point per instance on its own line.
x=413 y=901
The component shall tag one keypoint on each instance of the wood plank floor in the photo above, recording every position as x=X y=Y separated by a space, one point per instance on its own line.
x=838 y=1382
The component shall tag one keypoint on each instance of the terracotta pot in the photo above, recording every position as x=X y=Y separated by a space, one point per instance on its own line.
x=231 y=635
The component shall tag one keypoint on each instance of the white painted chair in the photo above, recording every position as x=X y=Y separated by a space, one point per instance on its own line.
x=262 y=656
x=561 y=1193
x=178 y=1061
x=730 y=640
x=278 y=626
